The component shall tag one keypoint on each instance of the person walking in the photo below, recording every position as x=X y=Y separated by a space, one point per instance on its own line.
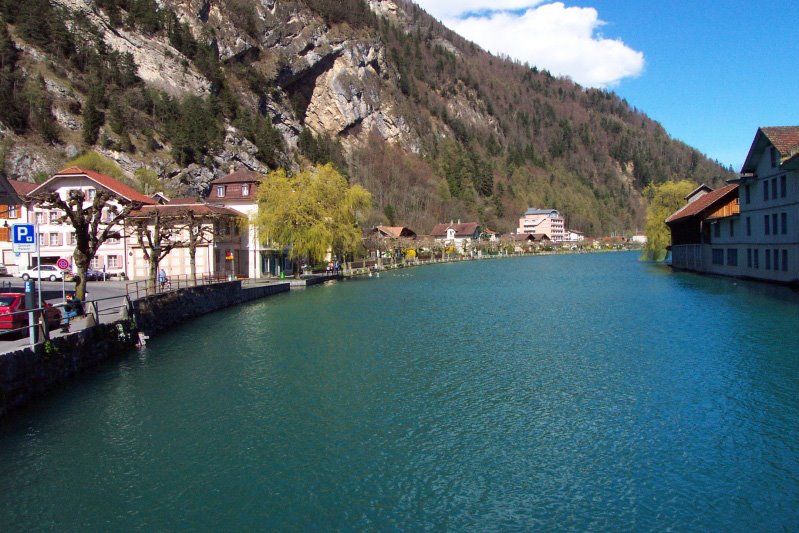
x=162 y=278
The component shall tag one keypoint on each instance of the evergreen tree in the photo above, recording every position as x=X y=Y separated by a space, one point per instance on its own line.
x=92 y=119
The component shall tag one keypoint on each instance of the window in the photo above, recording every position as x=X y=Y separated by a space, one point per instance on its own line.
x=748 y=191
x=776 y=259
x=95 y=263
x=749 y=258
x=766 y=224
x=112 y=261
x=41 y=216
x=112 y=240
x=91 y=193
x=732 y=227
x=13 y=212
x=55 y=239
x=245 y=190
x=768 y=259
x=783 y=186
x=773 y=157
x=41 y=238
x=220 y=191
x=716 y=229
x=756 y=258
x=774 y=224
x=784 y=223
x=765 y=190
x=54 y=217
x=72 y=240
x=785 y=260
x=718 y=256
x=732 y=257
x=748 y=227
x=774 y=188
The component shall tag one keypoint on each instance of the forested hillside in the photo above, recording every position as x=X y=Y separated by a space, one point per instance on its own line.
x=179 y=91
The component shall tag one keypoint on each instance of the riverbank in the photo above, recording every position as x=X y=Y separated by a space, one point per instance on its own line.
x=31 y=372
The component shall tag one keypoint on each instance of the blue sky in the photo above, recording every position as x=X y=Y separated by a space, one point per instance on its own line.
x=710 y=72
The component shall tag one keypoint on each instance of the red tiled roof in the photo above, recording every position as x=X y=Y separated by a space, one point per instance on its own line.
x=199 y=209
x=184 y=201
x=22 y=187
x=239 y=176
x=461 y=230
x=705 y=202
x=107 y=182
x=784 y=138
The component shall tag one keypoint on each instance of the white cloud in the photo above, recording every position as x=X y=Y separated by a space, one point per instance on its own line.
x=563 y=40
x=447 y=9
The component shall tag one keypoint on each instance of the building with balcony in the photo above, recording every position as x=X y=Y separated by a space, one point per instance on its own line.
x=546 y=221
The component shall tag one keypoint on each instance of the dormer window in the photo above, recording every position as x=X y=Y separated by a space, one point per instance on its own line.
x=220 y=191
x=245 y=190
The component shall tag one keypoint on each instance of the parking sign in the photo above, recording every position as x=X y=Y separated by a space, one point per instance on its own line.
x=24 y=238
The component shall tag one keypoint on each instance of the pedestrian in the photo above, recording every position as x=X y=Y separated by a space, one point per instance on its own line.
x=73 y=308
x=162 y=279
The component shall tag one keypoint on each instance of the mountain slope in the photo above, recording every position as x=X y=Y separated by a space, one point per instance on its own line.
x=178 y=91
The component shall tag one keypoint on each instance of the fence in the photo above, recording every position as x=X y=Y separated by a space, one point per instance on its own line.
x=138 y=289
x=50 y=318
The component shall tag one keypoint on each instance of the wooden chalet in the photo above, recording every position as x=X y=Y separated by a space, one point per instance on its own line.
x=691 y=225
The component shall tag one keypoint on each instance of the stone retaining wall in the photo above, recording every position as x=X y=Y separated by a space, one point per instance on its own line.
x=161 y=311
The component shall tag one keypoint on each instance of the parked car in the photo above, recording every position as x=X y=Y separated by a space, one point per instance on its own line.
x=11 y=302
x=3 y=270
x=91 y=275
x=50 y=272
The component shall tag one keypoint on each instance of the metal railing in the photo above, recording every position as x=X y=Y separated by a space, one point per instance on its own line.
x=39 y=329
x=145 y=287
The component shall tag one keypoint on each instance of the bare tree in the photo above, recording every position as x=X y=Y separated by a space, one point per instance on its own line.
x=157 y=235
x=94 y=223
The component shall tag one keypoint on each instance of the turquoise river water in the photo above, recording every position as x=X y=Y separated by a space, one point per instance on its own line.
x=589 y=392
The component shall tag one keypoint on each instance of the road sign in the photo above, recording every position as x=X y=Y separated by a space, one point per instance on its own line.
x=24 y=238
x=62 y=263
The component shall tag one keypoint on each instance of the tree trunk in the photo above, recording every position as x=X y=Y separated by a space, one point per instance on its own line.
x=297 y=269
x=152 y=275
x=82 y=266
x=193 y=262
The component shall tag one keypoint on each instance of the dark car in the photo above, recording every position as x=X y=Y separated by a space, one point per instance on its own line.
x=11 y=302
x=94 y=275
x=91 y=275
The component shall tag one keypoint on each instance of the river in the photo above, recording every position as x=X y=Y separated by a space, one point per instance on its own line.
x=582 y=392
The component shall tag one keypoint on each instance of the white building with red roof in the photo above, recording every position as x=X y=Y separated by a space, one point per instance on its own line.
x=57 y=240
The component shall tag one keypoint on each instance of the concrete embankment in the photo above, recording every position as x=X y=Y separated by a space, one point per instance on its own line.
x=31 y=372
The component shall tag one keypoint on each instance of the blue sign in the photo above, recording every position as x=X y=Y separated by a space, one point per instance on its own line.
x=24 y=234
x=23 y=237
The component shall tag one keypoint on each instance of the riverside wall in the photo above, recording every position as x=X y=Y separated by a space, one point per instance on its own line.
x=159 y=312
x=31 y=372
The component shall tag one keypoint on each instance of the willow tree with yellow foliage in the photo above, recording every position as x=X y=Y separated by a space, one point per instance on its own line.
x=664 y=199
x=313 y=212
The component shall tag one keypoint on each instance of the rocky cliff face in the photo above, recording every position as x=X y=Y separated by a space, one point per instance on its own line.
x=475 y=135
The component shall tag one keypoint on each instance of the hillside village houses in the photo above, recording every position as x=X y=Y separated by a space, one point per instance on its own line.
x=749 y=228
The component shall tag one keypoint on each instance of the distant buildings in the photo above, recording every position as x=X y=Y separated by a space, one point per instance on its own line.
x=460 y=236
x=749 y=228
x=546 y=221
